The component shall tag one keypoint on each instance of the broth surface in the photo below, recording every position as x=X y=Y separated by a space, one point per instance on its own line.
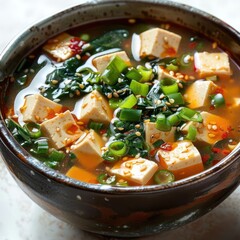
x=117 y=152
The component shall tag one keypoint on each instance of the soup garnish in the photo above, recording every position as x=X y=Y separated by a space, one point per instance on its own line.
x=131 y=103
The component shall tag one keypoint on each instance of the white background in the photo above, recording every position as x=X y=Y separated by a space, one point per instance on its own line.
x=22 y=219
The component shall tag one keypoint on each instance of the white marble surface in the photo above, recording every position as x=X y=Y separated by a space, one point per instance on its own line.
x=22 y=219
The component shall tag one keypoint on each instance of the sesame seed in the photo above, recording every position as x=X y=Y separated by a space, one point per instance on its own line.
x=171 y=100
x=137 y=126
x=214 y=45
x=214 y=127
x=131 y=20
x=165 y=39
x=125 y=159
x=162 y=96
x=209 y=126
x=138 y=155
x=168 y=103
x=138 y=134
x=78 y=56
x=143 y=168
x=211 y=135
x=120 y=128
x=115 y=95
x=180 y=85
x=171 y=73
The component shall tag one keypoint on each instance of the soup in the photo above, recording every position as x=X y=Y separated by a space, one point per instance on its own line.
x=130 y=103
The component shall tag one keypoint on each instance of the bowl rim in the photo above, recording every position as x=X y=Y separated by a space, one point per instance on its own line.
x=52 y=175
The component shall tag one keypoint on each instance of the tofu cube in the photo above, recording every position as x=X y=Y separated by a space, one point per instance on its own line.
x=38 y=108
x=164 y=74
x=58 y=47
x=158 y=42
x=138 y=170
x=183 y=161
x=212 y=129
x=208 y=64
x=95 y=107
x=101 y=62
x=152 y=134
x=81 y=175
x=61 y=130
x=198 y=94
x=88 y=150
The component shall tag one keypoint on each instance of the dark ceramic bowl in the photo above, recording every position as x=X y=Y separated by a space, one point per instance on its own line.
x=130 y=211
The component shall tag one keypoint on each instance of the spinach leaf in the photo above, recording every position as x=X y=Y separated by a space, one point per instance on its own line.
x=112 y=39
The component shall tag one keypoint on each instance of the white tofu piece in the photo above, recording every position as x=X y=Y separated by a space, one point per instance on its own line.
x=208 y=64
x=37 y=108
x=164 y=74
x=198 y=94
x=212 y=129
x=184 y=160
x=61 y=130
x=138 y=170
x=88 y=150
x=95 y=107
x=152 y=134
x=101 y=62
x=58 y=47
x=158 y=42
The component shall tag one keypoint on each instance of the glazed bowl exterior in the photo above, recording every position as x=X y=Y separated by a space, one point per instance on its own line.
x=116 y=211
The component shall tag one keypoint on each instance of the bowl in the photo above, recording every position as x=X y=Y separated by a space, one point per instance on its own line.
x=117 y=211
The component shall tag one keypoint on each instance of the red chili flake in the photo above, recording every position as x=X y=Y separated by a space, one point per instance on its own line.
x=103 y=131
x=153 y=152
x=225 y=135
x=216 y=150
x=205 y=158
x=211 y=107
x=219 y=90
x=214 y=162
x=76 y=45
x=166 y=147
x=226 y=151
x=170 y=51
x=230 y=129
x=85 y=57
x=192 y=45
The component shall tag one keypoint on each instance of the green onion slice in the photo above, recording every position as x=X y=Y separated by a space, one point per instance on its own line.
x=177 y=98
x=114 y=103
x=118 y=148
x=146 y=73
x=128 y=102
x=169 y=86
x=104 y=178
x=96 y=126
x=33 y=129
x=42 y=146
x=163 y=177
x=139 y=88
x=162 y=123
x=187 y=114
x=173 y=119
x=192 y=133
x=130 y=115
x=134 y=74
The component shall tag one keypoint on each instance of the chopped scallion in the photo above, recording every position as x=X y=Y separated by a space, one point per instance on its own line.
x=131 y=115
x=176 y=98
x=139 y=88
x=163 y=177
x=96 y=126
x=187 y=114
x=33 y=129
x=128 y=102
x=162 y=123
x=146 y=73
x=134 y=74
x=192 y=133
x=169 y=86
x=118 y=148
